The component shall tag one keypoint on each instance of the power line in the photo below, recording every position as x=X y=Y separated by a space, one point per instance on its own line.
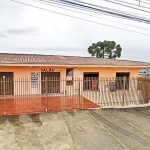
x=142 y=2
x=105 y=10
x=130 y=3
x=126 y=5
x=66 y=3
x=79 y=18
x=101 y=10
x=42 y=1
x=93 y=4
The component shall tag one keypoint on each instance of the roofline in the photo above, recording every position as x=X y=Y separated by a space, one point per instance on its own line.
x=69 y=56
x=73 y=65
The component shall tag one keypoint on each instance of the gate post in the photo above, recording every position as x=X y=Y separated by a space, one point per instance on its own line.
x=4 y=95
x=79 y=94
x=46 y=92
x=124 y=84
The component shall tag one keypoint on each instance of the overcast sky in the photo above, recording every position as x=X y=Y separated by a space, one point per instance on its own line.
x=24 y=29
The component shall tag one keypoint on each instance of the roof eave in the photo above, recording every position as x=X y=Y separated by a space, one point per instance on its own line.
x=74 y=65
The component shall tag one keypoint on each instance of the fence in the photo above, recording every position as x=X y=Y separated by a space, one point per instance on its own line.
x=23 y=95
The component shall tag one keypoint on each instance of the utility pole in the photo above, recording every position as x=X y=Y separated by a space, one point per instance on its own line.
x=139 y=2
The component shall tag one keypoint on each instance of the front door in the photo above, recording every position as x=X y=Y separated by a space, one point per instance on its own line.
x=50 y=82
x=6 y=83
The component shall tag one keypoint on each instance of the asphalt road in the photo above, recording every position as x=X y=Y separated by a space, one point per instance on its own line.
x=101 y=129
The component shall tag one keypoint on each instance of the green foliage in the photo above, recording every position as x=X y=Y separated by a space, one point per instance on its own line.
x=105 y=48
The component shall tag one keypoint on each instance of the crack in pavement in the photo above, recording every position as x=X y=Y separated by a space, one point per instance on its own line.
x=134 y=125
x=119 y=129
x=103 y=127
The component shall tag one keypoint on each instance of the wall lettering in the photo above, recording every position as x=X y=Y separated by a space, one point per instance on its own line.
x=47 y=70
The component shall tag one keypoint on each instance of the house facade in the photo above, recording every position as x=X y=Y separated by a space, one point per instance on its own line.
x=23 y=74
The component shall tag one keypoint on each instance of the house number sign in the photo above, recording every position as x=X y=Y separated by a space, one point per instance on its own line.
x=47 y=70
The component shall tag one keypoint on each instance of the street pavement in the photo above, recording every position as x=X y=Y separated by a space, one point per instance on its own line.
x=99 y=129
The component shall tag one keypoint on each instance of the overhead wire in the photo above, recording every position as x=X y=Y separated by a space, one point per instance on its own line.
x=58 y=6
x=141 y=1
x=126 y=5
x=129 y=17
x=129 y=3
x=71 y=5
x=86 y=2
x=113 y=1
x=106 y=11
x=78 y=17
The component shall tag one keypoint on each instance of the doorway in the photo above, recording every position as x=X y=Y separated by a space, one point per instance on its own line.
x=50 y=82
x=6 y=83
x=90 y=80
x=120 y=80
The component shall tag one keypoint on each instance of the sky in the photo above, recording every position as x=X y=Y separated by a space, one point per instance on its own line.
x=25 y=29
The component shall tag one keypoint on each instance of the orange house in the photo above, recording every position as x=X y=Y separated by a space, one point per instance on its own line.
x=33 y=67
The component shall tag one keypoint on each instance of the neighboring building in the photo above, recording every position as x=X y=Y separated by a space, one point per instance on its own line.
x=144 y=72
x=36 y=68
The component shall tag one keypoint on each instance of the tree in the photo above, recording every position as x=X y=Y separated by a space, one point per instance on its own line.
x=105 y=49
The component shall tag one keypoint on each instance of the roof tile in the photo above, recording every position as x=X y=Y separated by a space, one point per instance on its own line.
x=9 y=58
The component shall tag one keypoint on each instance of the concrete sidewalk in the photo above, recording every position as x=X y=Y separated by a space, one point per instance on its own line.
x=103 y=129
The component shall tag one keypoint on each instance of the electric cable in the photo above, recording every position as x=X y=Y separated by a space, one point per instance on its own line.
x=78 y=17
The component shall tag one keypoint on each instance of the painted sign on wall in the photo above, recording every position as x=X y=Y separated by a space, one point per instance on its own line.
x=47 y=70
x=35 y=80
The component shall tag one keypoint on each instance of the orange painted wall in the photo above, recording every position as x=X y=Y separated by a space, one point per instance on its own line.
x=23 y=74
x=109 y=72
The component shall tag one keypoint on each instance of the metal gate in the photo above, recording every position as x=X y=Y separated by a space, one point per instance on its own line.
x=50 y=82
x=28 y=99
x=144 y=87
x=6 y=83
